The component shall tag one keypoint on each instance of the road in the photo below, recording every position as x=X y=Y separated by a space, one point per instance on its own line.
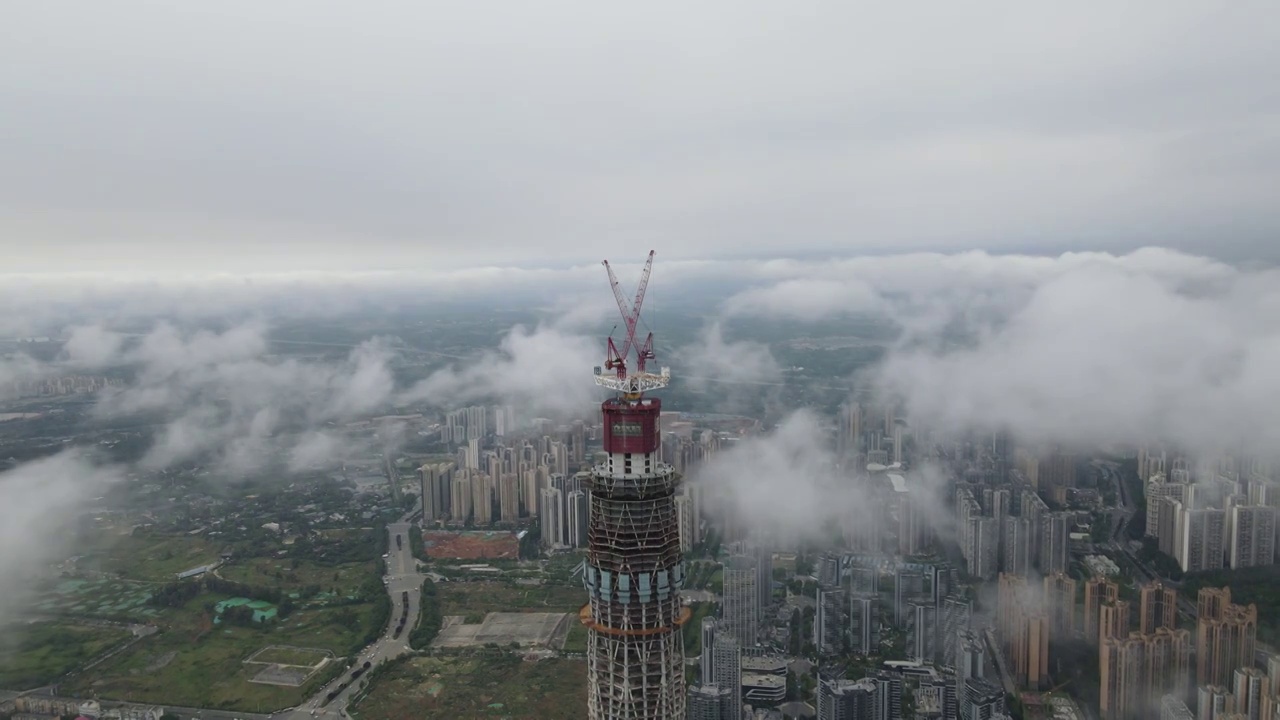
x=1120 y=541
x=402 y=575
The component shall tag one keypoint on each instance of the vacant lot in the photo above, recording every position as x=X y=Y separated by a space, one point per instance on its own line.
x=38 y=653
x=471 y=545
x=497 y=686
x=281 y=655
x=193 y=662
x=476 y=599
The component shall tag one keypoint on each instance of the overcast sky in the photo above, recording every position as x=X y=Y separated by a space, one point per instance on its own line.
x=268 y=136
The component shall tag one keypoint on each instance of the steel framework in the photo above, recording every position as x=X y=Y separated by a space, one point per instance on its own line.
x=634 y=569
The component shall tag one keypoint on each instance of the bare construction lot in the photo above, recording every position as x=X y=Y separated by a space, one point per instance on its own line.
x=525 y=629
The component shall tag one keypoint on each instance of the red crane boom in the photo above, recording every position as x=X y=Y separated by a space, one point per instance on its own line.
x=617 y=359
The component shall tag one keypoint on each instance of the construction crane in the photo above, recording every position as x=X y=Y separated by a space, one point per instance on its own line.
x=616 y=358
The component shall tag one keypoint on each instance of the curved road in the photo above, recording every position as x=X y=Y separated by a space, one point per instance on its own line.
x=403 y=575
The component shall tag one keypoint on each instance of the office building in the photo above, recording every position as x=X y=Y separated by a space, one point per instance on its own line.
x=741 y=600
x=727 y=669
x=711 y=702
x=846 y=699
x=982 y=700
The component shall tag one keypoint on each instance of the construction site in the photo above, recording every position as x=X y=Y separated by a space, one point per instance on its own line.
x=634 y=568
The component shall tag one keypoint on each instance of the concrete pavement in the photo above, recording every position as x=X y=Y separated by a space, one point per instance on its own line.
x=402 y=576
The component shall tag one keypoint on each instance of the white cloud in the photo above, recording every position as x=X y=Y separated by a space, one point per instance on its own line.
x=543 y=370
x=45 y=497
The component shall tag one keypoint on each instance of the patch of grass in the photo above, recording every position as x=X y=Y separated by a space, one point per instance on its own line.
x=479 y=686
x=481 y=598
x=39 y=653
x=194 y=663
x=576 y=640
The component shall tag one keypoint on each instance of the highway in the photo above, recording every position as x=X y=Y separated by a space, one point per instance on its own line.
x=402 y=575
x=1120 y=541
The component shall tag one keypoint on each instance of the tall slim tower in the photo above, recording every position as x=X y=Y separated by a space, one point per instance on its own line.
x=635 y=569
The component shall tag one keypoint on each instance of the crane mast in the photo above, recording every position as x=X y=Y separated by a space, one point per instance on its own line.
x=616 y=359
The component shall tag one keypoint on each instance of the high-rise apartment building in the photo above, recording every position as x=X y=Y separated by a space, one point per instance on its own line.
x=1015 y=549
x=1250 y=687
x=1253 y=536
x=1024 y=632
x=1060 y=604
x=828 y=621
x=551 y=518
x=1226 y=636
x=727 y=669
x=1157 y=607
x=1213 y=702
x=1173 y=708
x=1054 y=537
x=864 y=623
x=1120 y=689
x=1113 y=620
x=921 y=632
x=1097 y=591
x=956 y=615
x=1200 y=539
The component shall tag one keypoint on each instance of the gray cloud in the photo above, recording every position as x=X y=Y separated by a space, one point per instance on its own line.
x=406 y=135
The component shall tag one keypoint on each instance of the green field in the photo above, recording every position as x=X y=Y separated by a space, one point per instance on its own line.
x=340 y=580
x=118 y=599
x=497 y=686
x=147 y=557
x=481 y=598
x=193 y=662
x=576 y=640
x=38 y=653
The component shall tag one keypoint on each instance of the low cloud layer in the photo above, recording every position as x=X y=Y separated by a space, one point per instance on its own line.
x=788 y=486
x=545 y=369
x=43 y=497
x=1086 y=348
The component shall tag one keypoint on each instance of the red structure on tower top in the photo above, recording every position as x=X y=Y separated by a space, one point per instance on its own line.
x=631 y=385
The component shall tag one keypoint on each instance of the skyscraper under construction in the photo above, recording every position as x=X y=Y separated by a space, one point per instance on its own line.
x=635 y=569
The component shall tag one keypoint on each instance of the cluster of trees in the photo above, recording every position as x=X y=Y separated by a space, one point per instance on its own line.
x=429 y=619
x=373 y=591
x=175 y=594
